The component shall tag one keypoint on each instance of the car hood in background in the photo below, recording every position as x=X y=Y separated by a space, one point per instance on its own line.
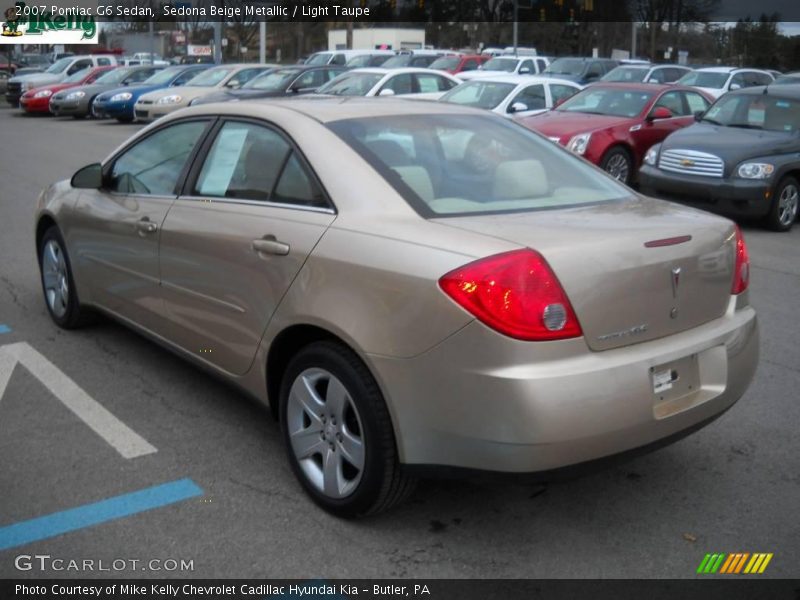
x=186 y=92
x=731 y=144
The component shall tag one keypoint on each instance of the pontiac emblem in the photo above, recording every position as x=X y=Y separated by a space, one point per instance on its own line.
x=676 y=281
x=687 y=162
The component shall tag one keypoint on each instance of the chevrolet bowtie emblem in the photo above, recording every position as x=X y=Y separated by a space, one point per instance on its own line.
x=676 y=281
x=687 y=162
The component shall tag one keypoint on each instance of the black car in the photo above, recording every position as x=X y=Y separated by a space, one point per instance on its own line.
x=742 y=158
x=283 y=81
x=580 y=70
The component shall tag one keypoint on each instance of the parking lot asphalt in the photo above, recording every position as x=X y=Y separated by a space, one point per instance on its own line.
x=732 y=487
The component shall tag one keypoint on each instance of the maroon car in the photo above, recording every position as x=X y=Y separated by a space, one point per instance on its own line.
x=613 y=125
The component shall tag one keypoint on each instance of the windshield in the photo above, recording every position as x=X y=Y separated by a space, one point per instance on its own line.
x=59 y=66
x=755 y=111
x=480 y=94
x=78 y=77
x=320 y=58
x=401 y=60
x=706 y=79
x=351 y=84
x=113 y=76
x=272 y=82
x=630 y=74
x=210 y=78
x=566 y=66
x=445 y=63
x=501 y=64
x=472 y=164
x=162 y=77
x=606 y=101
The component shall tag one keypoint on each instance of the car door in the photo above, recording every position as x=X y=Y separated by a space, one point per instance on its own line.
x=117 y=227
x=533 y=97
x=654 y=131
x=250 y=214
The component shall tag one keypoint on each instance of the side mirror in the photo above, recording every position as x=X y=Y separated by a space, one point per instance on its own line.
x=386 y=92
x=234 y=84
x=88 y=178
x=518 y=107
x=735 y=86
x=698 y=115
x=524 y=70
x=660 y=112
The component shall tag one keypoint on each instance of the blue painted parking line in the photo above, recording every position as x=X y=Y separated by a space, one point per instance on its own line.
x=89 y=515
x=5 y=328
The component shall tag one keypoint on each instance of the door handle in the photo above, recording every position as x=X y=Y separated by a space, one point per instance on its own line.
x=145 y=225
x=269 y=245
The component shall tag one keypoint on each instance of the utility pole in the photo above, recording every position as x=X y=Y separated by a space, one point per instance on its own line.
x=262 y=41
x=152 y=42
x=633 y=39
x=217 y=42
x=516 y=25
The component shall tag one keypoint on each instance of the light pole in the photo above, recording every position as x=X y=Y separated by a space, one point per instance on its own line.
x=516 y=25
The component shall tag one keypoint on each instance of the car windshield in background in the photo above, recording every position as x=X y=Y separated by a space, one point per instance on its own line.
x=759 y=111
x=447 y=165
x=629 y=74
x=161 y=77
x=787 y=80
x=566 y=66
x=321 y=58
x=59 y=66
x=606 y=101
x=445 y=63
x=351 y=84
x=480 y=94
x=113 y=76
x=501 y=64
x=209 y=78
x=359 y=61
x=704 y=79
x=78 y=76
x=272 y=82
x=401 y=60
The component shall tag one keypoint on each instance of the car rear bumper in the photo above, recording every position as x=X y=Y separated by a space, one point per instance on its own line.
x=484 y=402
x=731 y=196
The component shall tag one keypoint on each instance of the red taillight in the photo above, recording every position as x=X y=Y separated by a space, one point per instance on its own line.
x=741 y=270
x=515 y=293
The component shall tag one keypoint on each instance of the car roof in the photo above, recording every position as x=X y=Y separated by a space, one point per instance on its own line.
x=791 y=92
x=382 y=71
x=327 y=109
x=638 y=87
x=517 y=79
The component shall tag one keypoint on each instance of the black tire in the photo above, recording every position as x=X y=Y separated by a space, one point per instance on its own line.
x=74 y=314
x=614 y=161
x=382 y=482
x=125 y=119
x=778 y=219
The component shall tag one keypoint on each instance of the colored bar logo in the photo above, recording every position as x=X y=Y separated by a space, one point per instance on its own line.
x=737 y=563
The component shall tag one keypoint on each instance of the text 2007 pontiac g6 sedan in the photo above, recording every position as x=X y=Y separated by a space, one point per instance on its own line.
x=425 y=286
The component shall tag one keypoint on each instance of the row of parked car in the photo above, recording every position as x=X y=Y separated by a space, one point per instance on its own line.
x=719 y=137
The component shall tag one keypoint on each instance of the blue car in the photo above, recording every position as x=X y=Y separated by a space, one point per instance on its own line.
x=118 y=103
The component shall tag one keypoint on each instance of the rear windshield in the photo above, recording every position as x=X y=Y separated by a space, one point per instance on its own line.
x=756 y=111
x=449 y=165
x=210 y=78
x=272 y=81
x=351 y=84
x=445 y=63
x=401 y=60
x=320 y=58
x=501 y=64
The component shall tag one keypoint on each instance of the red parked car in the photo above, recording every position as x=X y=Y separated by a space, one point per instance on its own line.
x=37 y=100
x=613 y=125
x=459 y=63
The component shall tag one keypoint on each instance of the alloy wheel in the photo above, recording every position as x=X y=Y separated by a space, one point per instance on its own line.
x=788 y=204
x=56 y=280
x=618 y=167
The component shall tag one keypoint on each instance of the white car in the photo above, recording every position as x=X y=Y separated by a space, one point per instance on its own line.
x=715 y=81
x=512 y=95
x=421 y=83
x=645 y=73
x=508 y=65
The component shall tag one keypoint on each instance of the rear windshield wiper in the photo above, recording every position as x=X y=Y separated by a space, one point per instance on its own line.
x=712 y=121
x=745 y=126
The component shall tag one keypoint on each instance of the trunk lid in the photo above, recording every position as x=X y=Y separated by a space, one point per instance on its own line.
x=626 y=282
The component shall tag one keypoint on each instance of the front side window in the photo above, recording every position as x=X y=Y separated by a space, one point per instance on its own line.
x=532 y=97
x=252 y=162
x=696 y=102
x=561 y=92
x=673 y=102
x=445 y=165
x=400 y=84
x=501 y=64
x=153 y=166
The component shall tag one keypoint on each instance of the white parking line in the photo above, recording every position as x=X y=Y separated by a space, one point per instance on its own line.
x=121 y=437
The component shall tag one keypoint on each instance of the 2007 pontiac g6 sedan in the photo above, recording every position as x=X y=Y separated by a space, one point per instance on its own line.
x=408 y=286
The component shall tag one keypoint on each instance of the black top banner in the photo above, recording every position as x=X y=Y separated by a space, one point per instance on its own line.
x=414 y=11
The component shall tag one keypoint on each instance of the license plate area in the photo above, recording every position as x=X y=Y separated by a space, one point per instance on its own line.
x=674 y=383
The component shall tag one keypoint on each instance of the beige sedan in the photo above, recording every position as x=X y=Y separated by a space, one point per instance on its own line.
x=154 y=105
x=409 y=286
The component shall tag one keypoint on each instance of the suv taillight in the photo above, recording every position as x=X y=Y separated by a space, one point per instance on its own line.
x=515 y=293
x=741 y=270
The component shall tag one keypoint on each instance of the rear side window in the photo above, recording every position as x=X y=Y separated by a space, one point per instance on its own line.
x=430 y=83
